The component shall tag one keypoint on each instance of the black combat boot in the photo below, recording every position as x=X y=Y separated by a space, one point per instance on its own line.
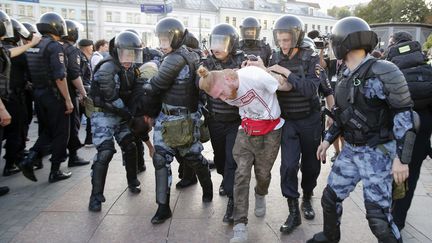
x=10 y=169
x=294 y=217
x=56 y=174
x=4 y=190
x=98 y=183
x=26 y=165
x=163 y=212
x=130 y=158
x=203 y=174
x=306 y=206
x=75 y=160
x=228 y=217
x=188 y=177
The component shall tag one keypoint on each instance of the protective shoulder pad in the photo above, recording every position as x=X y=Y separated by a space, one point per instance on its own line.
x=395 y=86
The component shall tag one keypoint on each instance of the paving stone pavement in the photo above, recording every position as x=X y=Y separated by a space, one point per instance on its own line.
x=44 y=212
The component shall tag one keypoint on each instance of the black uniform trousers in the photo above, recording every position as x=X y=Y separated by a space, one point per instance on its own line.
x=54 y=133
x=422 y=146
x=75 y=122
x=15 y=133
x=299 y=143
x=222 y=136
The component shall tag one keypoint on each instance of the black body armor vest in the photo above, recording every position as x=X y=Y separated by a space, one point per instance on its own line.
x=5 y=68
x=39 y=65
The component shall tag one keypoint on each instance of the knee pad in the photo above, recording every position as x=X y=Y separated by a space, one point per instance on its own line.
x=128 y=143
x=105 y=153
x=159 y=161
x=379 y=223
x=331 y=203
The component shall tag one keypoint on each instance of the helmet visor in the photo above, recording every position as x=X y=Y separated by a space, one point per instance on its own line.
x=165 y=39
x=22 y=30
x=285 y=38
x=250 y=33
x=219 y=43
x=9 y=28
x=130 y=55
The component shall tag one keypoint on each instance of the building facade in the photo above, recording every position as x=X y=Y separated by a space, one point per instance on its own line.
x=106 y=18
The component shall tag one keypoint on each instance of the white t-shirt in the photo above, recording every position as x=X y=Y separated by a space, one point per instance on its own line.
x=95 y=59
x=256 y=95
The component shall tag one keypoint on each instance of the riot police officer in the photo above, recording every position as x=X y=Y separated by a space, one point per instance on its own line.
x=374 y=113
x=251 y=44
x=48 y=73
x=14 y=134
x=114 y=79
x=223 y=119
x=7 y=31
x=300 y=108
x=86 y=51
x=73 y=68
x=176 y=130
x=407 y=54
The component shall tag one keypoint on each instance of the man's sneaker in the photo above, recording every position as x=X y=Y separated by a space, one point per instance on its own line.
x=240 y=234
x=260 y=205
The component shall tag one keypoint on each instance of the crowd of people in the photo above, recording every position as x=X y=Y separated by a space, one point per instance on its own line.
x=253 y=100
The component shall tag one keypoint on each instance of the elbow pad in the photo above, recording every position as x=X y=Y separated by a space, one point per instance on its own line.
x=405 y=145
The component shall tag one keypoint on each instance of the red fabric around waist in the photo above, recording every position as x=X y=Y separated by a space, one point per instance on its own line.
x=258 y=127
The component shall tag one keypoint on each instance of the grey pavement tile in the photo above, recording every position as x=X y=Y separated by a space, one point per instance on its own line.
x=60 y=227
x=124 y=228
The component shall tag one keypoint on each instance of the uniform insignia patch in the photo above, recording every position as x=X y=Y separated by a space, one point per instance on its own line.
x=78 y=60
x=61 y=57
x=318 y=70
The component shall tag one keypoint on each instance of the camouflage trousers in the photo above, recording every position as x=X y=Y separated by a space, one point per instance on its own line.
x=165 y=154
x=370 y=165
x=259 y=152
x=105 y=126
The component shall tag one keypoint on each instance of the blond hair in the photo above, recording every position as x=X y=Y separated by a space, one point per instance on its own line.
x=209 y=78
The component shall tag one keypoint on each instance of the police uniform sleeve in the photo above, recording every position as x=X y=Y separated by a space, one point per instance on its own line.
x=105 y=78
x=325 y=86
x=56 y=57
x=168 y=72
x=399 y=99
x=73 y=64
x=308 y=87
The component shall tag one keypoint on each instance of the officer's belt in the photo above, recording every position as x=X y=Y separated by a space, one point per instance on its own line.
x=176 y=112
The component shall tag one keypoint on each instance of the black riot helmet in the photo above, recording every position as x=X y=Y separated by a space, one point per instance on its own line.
x=352 y=33
x=72 y=30
x=19 y=32
x=172 y=29
x=250 y=28
x=52 y=23
x=31 y=28
x=224 y=37
x=126 y=47
x=133 y=31
x=289 y=24
x=6 y=29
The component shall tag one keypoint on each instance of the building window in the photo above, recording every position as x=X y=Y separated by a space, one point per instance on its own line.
x=137 y=18
x=234 y=22
x=89 y=15
x=265 y=24
x=129 y=17
x=326 y=29
x=46 y=10
x=306 y=28
x=227 y=19
x=205 y=23
x=68 y=13
x=313 y=27
x=117 y=17
x=319 y=27
x=108 y=16
x=29 y=11
x=186 y=21
x=21 y=10
x=7 y=8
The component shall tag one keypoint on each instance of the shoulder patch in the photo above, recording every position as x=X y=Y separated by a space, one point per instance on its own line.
x=79 y=60
x=61 y=57
x=318 y=70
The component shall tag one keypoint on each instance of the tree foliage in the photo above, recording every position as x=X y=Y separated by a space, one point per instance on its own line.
x=339 y=12
x=428 y=44
x=379 y=11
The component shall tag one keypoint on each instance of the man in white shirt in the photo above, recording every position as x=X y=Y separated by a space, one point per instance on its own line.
x=101 y=47
x=253 y=90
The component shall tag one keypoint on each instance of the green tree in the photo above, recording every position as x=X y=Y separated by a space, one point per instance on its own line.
x=378 y=11
x=339 y=12
x=428 y=44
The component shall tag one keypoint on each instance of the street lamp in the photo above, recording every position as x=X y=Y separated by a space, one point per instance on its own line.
x=86 y=13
